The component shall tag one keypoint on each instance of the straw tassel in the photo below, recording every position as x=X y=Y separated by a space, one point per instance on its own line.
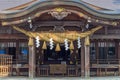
x=44 y=45
x=76 y=62
x=57 y=47
x=30 y=43
x=71 y=45
x=42 y=62
x=87 y=41
x=71 y=62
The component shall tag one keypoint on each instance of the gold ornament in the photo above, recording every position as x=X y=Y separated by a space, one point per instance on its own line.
x=57 y=47
x=87 y=41
x=30 y=43
x=71 y=45
x=44 y=45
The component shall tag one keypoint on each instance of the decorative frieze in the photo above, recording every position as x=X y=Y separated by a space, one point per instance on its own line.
x=59 y=13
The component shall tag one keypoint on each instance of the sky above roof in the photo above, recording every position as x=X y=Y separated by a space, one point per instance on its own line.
x=5 y=4
x=108 y=4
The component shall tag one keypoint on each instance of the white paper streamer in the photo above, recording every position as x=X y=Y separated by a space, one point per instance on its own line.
x=51 y=43
x=79 y=43
x=66 y=44
x=37 y=41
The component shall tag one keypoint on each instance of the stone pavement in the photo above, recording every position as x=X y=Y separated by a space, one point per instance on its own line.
x=62 y=78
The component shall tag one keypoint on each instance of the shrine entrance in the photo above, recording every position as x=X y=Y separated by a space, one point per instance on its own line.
x=58 y=63
x=60 y=38
x=58 y=43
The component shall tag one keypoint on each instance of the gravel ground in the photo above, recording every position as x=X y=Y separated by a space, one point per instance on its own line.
x=62 y=78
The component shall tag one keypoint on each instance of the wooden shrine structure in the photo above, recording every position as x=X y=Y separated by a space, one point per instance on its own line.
x=60 y=38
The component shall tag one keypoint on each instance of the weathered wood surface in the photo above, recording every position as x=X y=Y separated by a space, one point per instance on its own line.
x=87 y=61
x=105 y=65
x=58 y=69
x=82 y=58
x=32 y=61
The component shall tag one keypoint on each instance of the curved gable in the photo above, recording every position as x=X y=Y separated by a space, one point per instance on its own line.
x=44 y=3
x=39 y=7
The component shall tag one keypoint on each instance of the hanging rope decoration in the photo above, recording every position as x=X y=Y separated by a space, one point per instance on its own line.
x=79 y=43
x=37 y=41
x=66 y=44
x=58 y=38
x=51 y=44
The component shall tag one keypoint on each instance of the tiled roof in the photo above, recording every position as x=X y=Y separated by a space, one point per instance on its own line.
x=104 y=6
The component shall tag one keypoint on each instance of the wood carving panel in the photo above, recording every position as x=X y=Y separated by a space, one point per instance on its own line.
x=57 y=69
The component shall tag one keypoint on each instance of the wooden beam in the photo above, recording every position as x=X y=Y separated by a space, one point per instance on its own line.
x=32 y=61
x=13 y=36
x=106 y=30
x=112 y=36
x=56 y=23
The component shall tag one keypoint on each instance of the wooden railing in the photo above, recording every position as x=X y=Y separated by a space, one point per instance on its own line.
x=43 y=70
x=20 y=67
x=100 y=67
x=105 y=61
x=105 y=67
x=5 y=65
x=71 y=70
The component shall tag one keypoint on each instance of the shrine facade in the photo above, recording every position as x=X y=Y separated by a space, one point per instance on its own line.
x=59 y=38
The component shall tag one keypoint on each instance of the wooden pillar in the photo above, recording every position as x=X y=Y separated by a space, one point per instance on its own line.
x=17 y=51
x=82 y=58
x=97 y=56
x=87 y=61
x=116 y=49
x=119 y=57
x=32 y=61
x=97 y=51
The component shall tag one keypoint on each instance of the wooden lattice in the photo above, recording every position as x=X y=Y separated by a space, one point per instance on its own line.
x=5 y=65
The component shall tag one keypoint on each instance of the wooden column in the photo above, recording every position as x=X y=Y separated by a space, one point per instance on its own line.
x=119 y=56
x=82 y=58
x=97 y=51
x=87 y=61
x=97 y=56
x=17 y=51
x=32 y=61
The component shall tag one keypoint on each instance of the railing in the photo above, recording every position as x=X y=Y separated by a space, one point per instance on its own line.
x=43 y=70
x=105 y=67
x=99 y=67
x=5 y=65
x=105 y=61
x=20 y=67
x=71 y=70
